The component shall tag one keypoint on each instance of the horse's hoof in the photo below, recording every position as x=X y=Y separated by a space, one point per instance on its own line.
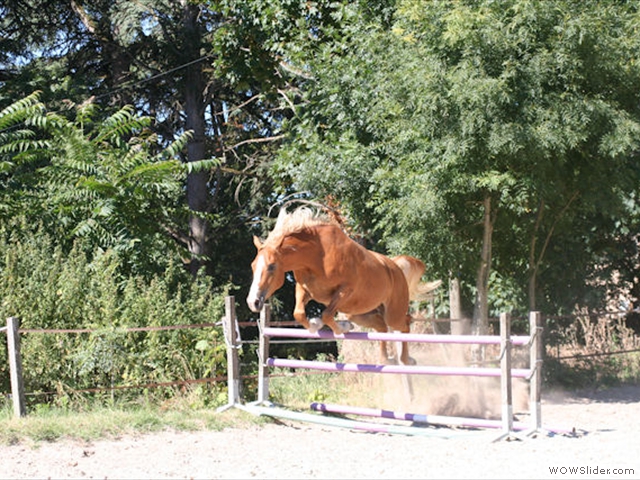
x=345 y=326
x=315 y=324
x=387 y=361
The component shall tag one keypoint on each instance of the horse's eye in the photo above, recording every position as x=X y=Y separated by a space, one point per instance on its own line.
x=271 y=267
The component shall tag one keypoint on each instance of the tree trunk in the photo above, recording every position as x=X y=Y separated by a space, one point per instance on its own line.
x=481 y=307
x=194 y=107
x=535 y=258
x=460 y=324
x=533 y=262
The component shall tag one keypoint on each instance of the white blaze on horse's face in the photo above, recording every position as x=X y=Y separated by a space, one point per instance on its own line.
x=255 y=299
x=268 y=276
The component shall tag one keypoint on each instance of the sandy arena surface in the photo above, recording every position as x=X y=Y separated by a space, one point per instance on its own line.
x=607 y=424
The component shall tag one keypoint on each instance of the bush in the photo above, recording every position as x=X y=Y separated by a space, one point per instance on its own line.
x=50 y=289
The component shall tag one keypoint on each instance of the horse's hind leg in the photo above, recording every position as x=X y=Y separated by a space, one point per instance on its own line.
x=404 y=358
x=397 y=319
x=402 y=348
x=403 y=353
x=374 y=320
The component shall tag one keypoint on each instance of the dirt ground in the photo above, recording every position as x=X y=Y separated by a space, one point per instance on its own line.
x=606 y=423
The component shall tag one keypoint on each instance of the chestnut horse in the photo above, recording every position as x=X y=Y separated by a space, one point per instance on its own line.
x=332 y=269
x=413 y=269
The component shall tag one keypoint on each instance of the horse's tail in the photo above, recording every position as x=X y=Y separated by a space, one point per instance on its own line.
x=424 y=291
x=413 y=269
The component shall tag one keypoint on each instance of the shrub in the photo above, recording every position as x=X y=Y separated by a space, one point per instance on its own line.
x=48 y=289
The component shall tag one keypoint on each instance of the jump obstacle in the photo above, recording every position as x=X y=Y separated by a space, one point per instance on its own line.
x=505 y=372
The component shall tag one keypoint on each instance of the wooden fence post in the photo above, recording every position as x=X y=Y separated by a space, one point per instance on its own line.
x=505 y=377
x=230 y=325
x=263 y=354
x=535 y=364
x=15 y=366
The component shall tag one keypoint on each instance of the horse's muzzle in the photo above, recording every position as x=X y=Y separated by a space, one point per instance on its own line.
x=255 y=303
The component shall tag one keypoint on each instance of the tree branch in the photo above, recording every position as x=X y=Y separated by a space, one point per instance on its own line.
x=86 y=20
x=256 y=140
x=553 y=226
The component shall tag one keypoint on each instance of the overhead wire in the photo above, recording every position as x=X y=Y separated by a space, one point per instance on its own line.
x=153 y=77
x=129 y=85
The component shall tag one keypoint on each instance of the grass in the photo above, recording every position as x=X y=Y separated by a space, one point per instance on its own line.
x=81 y=418
x=50 y=423
x=299 y=391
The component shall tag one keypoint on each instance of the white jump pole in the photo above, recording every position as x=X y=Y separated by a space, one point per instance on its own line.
x=394 y=337
x=535 y=359
x=263 y=355
x=505 y=377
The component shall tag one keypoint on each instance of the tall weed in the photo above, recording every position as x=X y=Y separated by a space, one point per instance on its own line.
x=592 y=351
x=49 y=289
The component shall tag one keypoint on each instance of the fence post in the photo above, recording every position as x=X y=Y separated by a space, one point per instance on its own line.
x=535 y=364
x=505 y=376
x=15 y=366
x=263 y=354
x=233 y=362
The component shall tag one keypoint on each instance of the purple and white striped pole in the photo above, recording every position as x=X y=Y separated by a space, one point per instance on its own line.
x=426 y=419
x=401 y=369
x=393 y=337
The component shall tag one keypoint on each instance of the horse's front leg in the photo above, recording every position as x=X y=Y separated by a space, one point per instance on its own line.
x=299 y=311
x=328 y=315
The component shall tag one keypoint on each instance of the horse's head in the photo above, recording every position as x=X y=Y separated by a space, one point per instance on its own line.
x=268 y=275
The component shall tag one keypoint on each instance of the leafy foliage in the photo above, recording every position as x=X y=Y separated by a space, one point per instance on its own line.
x=412 y=124
x=81 y=177
x=85 y=243
x=154 y=140
x=49 y=289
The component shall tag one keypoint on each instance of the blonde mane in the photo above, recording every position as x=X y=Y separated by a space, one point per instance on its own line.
x=296 y=221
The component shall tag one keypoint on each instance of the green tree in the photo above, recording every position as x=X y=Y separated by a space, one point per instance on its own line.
x=167 y=59
x=477 y=135
x=98 y=180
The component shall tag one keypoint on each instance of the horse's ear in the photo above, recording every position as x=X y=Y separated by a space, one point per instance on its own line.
x=257 y=242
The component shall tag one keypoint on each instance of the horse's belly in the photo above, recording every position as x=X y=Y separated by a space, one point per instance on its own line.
x=353 y=304
x=358 y=297
x=359 y=307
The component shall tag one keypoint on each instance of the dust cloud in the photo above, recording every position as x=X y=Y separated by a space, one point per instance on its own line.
x=458 y=396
